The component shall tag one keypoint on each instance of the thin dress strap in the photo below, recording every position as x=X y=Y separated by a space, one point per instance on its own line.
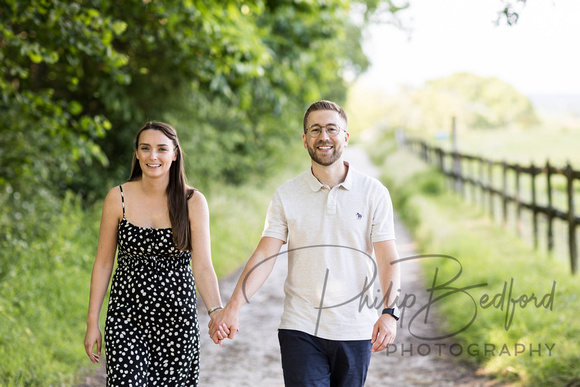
x=122 y=200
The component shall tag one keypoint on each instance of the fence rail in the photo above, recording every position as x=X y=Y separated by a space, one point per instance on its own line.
x=481 y=174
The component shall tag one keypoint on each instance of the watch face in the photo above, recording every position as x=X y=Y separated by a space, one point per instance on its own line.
x=393 y=312
x=396 y=313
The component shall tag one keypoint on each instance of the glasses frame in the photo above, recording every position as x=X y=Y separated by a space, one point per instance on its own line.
x=325 y=127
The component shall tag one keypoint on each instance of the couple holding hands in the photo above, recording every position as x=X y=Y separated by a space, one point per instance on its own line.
x=336 y=221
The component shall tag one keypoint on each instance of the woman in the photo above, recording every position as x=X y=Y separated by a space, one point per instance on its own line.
x=159 y=225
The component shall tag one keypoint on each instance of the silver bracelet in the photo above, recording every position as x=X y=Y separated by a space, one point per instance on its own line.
x=214 y=309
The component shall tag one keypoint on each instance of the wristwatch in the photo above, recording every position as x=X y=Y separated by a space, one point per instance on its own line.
x=393 y=312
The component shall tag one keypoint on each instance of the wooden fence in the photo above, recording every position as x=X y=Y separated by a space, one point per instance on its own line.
x=474 y=173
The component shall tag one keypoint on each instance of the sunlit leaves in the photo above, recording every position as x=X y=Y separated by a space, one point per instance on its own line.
x=75 y=108
x=66 y=64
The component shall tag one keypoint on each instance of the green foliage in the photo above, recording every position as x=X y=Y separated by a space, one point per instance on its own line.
x=238 y=214
x=72 y=71
x=483 y=102
x=476 y=102
x=43 y=299
x=78 y=78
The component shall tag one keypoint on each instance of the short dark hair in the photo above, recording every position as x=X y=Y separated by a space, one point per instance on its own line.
x=324 y=105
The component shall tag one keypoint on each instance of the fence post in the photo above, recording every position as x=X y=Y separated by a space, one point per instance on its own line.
x=490 y=187
x=473 y=180
x=571 y=218
x=504 y=192
x=440 y=158
x=461 y=177
x=455 y=150
x=518 y=203
x=534 y=206
x=481 y=183
x=550 y=208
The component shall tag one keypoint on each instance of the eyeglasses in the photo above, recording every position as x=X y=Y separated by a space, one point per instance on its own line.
x=315 y=130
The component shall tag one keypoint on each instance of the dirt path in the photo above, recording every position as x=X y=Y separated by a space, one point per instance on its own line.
x=253 y=358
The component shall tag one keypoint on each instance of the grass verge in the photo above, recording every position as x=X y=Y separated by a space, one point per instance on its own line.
x=43 y=299
x=237 y=219
x=521 y=322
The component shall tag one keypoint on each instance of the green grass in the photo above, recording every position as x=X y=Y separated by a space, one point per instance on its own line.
x=442 y=223
x=524 y=146
x=43 y=300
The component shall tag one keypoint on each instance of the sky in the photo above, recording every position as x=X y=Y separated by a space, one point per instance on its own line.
x=538 y=55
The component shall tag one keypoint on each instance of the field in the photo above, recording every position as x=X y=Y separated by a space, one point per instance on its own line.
x=537 y=145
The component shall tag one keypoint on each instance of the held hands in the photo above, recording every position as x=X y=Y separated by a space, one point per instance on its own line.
x=384 y=332
x=223 y=324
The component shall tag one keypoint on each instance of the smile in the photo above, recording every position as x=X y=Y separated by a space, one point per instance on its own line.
x=324 y=148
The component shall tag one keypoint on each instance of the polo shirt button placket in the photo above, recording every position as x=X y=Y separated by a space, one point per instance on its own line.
x=331 y=203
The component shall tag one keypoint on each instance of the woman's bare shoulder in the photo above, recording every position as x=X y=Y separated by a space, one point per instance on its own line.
x=114 y=193
x=114 y=202
x=196 y=202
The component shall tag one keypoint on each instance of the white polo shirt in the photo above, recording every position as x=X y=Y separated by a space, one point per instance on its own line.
x=332 y=289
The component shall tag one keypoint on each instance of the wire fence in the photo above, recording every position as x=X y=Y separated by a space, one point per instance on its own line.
x=500 y=188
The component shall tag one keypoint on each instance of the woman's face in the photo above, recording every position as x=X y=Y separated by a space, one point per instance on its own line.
x=155 y=152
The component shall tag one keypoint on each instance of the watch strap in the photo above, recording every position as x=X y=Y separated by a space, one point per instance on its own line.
x=393 y=312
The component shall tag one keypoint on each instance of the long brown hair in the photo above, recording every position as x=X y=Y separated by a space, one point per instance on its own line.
x=177 y=190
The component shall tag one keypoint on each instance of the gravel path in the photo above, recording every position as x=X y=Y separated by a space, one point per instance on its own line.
x=253 y=357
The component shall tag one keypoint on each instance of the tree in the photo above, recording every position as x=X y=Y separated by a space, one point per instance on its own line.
x=477 y=102
x=79 y=77
x=46 y=129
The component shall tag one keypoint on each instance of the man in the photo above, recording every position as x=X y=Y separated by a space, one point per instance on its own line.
x=338 y=224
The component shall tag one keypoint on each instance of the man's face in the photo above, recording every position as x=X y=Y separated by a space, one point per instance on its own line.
x=324 y=149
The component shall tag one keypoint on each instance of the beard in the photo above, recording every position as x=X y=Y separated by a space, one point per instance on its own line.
x=326 y=159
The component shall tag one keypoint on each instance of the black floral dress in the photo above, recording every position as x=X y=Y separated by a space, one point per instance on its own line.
x=152 y=331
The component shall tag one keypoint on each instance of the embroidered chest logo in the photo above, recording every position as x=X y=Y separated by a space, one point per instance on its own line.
x=358 y=215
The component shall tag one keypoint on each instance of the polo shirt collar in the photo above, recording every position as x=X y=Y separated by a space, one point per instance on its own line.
x=347 y=183
x=316 y=185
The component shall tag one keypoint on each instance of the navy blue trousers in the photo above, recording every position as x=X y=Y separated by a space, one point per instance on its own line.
x=309 y=361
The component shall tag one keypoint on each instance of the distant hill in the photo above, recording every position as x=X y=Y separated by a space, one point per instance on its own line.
x=556 y=103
